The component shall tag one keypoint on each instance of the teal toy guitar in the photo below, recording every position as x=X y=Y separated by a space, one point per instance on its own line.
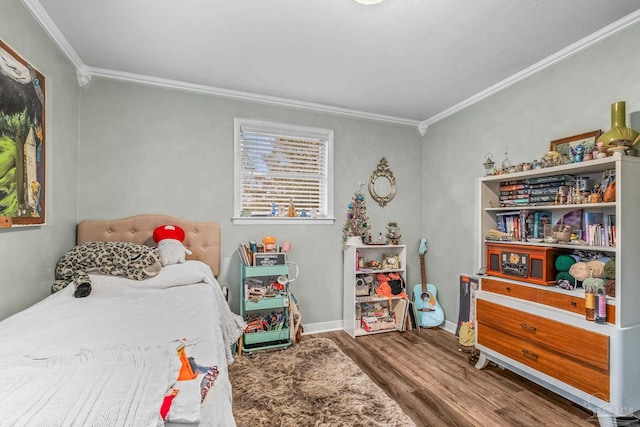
x=428 y=310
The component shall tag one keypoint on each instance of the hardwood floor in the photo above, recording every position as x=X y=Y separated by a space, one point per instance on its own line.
x=432 y=380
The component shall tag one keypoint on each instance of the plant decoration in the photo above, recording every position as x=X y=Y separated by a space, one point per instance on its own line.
x=357 y=222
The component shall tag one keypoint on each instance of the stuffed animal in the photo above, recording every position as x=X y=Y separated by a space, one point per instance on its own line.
x=170 y=248
x=135 y=262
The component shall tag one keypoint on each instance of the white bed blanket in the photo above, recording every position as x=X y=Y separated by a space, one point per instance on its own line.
x=175 y=305
x=109 y=387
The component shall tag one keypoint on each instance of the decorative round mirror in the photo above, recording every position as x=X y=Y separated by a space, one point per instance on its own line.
x=382 y=184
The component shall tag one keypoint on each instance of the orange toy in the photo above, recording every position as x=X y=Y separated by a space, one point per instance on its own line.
x=384 y=289
x=269 y=243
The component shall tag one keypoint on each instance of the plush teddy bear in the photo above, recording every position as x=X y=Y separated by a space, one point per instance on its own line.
x=135 y=262
x=170 y=248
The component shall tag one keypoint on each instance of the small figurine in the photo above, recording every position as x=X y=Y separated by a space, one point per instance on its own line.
x=393 y=233
x=562 y=233
x=578 y=152
x=291 y=211
x=269 y=243
x=548 y=160
x=576 y=195
x=489 y=164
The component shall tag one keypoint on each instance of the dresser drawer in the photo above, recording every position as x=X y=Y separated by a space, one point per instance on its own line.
x=571 y=303
x=582 y=345
x=565 y=302
x=584 y=377
x=516 y=291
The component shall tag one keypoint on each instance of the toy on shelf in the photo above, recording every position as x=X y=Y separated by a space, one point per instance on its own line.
x=269 y=243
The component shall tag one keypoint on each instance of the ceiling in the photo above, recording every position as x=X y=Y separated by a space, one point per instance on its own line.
x=407 y=61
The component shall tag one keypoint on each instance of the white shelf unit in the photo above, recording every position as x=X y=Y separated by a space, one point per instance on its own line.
x=351 y=320
x=594 y=365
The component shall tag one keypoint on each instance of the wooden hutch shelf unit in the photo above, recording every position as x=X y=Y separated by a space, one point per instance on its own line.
x=539 y=330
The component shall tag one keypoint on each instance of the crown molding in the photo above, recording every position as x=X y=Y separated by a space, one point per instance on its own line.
x=570 y=50
x=55 y=34
x=245 y=96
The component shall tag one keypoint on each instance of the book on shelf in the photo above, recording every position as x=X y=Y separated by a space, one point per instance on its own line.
x=547 y=191
x=246 y=255
x=521 y=224
x=611 y=224
x=513 y=196
x=514 y=202
x=547 y=199
x=547 y=185
x=540 y=218
x=602 y=234
x=595 y=235
x=515 y=223
x=526 y=224
x=514 y=192
x=513 y=187
x=589 y=221
x=549 y=179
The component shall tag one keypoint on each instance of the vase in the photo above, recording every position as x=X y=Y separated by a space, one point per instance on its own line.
x=354 y=241
x=619 y=134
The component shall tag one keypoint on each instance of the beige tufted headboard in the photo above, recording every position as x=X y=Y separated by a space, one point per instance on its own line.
x=201 y=238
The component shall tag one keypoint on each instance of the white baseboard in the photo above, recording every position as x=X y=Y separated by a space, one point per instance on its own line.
x=450 y=326
x=318 y=328
x=336 y=325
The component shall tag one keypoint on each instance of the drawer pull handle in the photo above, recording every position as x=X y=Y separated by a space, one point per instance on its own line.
x=574 y=304
x=527 y=327
x=508 y=289
x=530 y=354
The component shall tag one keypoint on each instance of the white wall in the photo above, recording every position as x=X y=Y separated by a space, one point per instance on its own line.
x=569 y=98
x=28 y=254
x=145 y=149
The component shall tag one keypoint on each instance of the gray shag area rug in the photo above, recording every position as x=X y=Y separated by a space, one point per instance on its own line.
x=312 y=383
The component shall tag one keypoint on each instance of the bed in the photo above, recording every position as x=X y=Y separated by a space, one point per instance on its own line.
x=113 y=358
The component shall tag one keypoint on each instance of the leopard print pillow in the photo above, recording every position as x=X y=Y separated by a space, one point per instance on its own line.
x=135 y=262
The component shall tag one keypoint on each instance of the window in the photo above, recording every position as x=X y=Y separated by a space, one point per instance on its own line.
x=278 y=165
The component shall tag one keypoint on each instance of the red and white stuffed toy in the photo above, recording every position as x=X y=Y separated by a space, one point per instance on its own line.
x=170 y=248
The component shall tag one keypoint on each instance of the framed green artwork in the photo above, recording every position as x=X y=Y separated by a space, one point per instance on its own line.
x=22 y=140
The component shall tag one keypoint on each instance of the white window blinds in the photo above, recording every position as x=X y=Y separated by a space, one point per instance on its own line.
x=278 y=165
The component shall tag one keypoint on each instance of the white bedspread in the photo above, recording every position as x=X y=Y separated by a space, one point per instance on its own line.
x=87 y=388
x=176 y=304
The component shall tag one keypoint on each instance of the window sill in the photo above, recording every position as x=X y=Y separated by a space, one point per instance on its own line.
x=271 y=220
